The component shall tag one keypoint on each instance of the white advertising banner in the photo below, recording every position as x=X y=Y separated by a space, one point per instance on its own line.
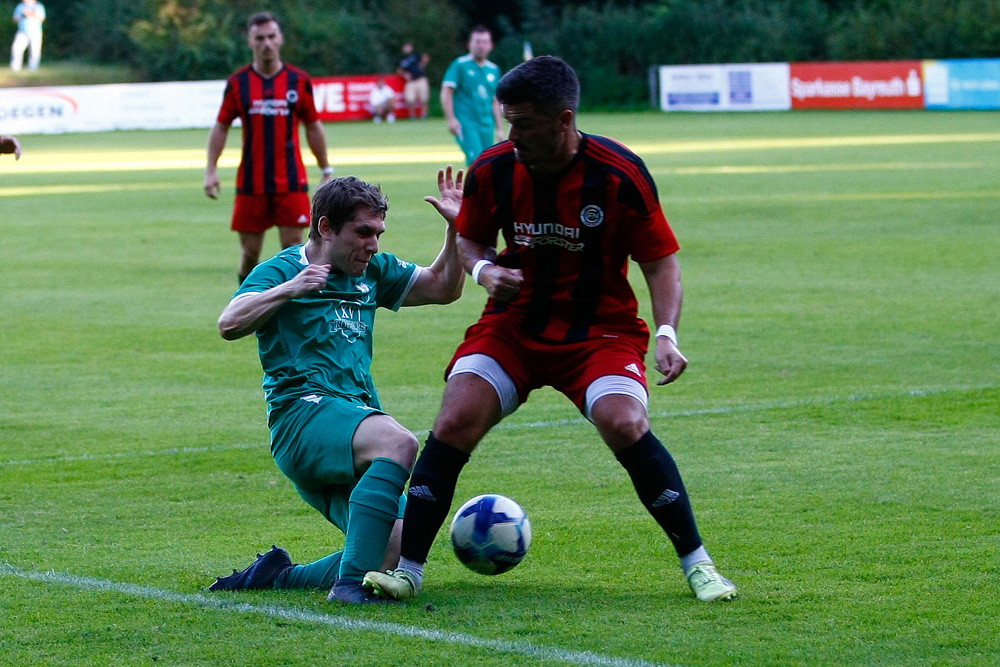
x=740 y=87
x=119 y=106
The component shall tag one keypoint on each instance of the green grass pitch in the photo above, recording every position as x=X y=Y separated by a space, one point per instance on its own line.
x=838 y=425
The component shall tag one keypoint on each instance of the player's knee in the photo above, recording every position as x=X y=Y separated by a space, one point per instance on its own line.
x=402 y=448
x=621 y=428
x=459 y=429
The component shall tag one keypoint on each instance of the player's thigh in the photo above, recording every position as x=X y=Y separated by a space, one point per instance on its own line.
x=471 y=142
x=497 y=356
x=469 y=409
x=487 y=380
x=486 y=137
x=422 y=90
x=410 y=92
x=381 y=436
x=312 y=440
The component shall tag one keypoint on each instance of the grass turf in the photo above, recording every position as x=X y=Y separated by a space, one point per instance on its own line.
x=837 y=426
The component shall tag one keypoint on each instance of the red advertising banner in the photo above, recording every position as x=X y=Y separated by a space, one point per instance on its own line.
x=895 y=84
x=346 y=97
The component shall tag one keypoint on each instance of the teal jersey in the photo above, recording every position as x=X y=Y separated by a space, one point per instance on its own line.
x=321 y=344
x=475 y=86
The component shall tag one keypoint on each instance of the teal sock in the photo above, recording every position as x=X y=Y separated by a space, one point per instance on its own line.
x=373 y=506
x=319 y=574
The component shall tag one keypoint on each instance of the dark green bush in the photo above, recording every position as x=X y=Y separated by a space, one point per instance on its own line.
x=611 y=43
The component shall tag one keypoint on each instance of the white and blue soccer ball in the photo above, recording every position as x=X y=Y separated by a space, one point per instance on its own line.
x=490 y=534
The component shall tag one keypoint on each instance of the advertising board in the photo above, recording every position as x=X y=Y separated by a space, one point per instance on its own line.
x=735 y=87
x=891 y=84
x=346 y=97
x=148 y=106
x=161 y=106
x=962 y=84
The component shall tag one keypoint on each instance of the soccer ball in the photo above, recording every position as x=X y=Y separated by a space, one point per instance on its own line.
x=490 y=534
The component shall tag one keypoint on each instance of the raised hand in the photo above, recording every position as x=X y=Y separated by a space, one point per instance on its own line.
x=450 y=187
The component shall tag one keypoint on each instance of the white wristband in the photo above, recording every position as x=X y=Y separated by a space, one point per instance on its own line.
x=667 y=331
x=478 y=268
x=327 y=171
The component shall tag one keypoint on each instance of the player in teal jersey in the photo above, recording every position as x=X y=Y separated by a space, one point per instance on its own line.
x=468 y=97
x=312 y=308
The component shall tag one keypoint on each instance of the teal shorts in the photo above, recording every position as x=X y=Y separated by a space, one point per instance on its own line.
x=311 y=443
x=475 y=139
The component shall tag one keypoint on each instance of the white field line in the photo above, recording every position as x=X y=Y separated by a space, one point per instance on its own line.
x=759 y=407
x=227 y=604
x=547 y=423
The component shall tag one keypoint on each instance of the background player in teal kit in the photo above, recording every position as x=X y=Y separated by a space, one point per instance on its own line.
x=313 y=307
x=468 y=97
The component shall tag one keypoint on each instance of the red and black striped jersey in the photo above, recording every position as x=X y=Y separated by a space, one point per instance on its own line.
x=572 y=236
x=270 y=109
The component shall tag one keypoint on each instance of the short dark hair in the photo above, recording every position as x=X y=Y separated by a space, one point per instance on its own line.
x=339 y=199
x=260 y=18
x=547 y=82
x=479 y=27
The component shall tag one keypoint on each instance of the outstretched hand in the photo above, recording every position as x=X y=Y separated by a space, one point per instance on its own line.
x=450 y=187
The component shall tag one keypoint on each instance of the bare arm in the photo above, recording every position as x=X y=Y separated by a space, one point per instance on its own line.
x=663 y=277
x=448 y=106
x=316 y=138
x=443 y=280
x=216 y=143
x=248 y=312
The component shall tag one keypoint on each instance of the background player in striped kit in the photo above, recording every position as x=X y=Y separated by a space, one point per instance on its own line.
x=271 y=98
x=572 y=208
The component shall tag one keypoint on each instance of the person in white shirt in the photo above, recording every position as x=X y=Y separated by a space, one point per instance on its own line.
x=29 y=16
x=382 y=101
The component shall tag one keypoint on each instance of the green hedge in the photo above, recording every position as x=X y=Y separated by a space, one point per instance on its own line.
x=612 y=45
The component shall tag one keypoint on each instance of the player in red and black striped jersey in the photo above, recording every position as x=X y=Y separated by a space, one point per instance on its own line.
x=572 y=209
x=569 y=237
x=271 y=99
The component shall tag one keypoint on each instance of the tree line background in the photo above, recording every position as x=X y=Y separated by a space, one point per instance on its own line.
x=612 y=44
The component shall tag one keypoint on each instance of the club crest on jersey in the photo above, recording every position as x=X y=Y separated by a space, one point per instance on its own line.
x=591 y=215
x=348 y=322
x=292 y=96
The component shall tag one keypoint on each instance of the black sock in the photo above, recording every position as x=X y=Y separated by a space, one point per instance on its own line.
x=658 y=483
x=432 y=489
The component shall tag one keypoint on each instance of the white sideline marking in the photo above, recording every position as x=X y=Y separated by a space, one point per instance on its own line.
x=756 y=407
x=522 y=648
x=548 y=423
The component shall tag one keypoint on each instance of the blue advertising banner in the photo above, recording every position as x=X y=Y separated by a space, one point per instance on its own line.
x=962 y=84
